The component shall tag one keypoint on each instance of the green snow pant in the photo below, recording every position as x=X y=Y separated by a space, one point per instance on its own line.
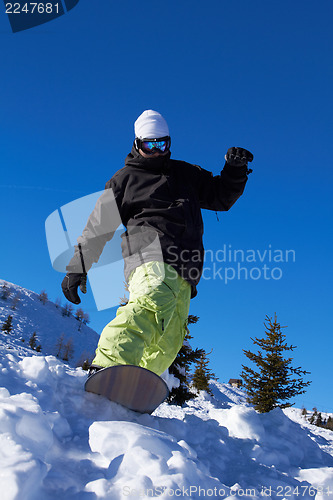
x=150 y=329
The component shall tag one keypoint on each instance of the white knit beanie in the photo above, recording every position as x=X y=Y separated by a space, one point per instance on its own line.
x=150 y=125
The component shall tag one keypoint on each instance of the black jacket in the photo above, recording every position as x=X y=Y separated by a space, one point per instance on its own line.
x=161 y=197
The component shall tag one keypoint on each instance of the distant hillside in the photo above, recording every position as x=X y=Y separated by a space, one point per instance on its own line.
x=31 y=315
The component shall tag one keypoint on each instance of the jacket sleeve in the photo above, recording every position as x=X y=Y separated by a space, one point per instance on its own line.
x=100 y=228
x=219 y=192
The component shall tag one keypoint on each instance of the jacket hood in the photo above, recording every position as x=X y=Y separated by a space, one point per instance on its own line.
x=134 y=159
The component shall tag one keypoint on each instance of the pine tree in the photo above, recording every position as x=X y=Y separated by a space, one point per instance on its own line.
x=43 y=297
x=79 y=314
x=329 y=423
x=5 y=291
x=33 y=340
x=8 y=324
x=180 y=368
x=304 y=412
x=202 y=374
x=33 y=343
x=67 y=310
x=277 y=381
x=319 y=420
x=313 y=417
x=59 y=345
x=85 y=361
x=15 y=301
x=82 y=317
x=86 y=365
x=68 y=350
x=86 y=319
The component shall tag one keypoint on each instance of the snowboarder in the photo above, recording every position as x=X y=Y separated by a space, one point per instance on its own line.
x=159 y=202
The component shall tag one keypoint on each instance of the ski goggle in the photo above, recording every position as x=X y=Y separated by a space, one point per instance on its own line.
x=151 y=146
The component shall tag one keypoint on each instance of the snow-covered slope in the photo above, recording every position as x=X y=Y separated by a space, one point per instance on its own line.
x=56 y=441
x=31 y=315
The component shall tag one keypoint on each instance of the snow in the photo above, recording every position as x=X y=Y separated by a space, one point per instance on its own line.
x=31 y=315
x=57 y=441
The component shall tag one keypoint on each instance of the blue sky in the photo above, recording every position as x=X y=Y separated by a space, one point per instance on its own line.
x=251 y=74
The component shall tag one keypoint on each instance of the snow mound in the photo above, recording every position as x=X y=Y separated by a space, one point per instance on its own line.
x=140 y=459
x=58 y=441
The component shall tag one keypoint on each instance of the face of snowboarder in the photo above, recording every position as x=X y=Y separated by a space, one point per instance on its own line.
x=154 y=155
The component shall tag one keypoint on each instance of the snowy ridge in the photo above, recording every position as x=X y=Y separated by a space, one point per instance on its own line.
x=31 y=315
x=58 y=441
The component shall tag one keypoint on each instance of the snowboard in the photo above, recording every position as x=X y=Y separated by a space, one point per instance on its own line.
x=131 y=386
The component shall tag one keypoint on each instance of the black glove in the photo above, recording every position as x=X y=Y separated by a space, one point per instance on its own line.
x=70 y=284
x=238 y=157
